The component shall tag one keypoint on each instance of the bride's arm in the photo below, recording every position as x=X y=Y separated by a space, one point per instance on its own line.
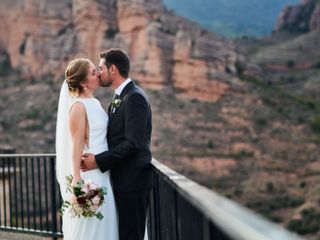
x=77 y=125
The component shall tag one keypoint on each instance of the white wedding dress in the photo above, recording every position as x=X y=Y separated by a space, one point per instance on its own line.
x=92 y=228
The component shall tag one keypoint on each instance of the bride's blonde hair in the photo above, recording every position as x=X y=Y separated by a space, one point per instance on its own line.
x=76 y=73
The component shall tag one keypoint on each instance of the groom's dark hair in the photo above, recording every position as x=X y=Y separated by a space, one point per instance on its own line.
x=119 y=58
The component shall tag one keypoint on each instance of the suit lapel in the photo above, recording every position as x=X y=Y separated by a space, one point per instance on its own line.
x=127 y=89
x=124 y=92
x=109 y=110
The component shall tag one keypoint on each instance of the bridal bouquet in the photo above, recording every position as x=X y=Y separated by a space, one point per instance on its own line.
x=86 y=198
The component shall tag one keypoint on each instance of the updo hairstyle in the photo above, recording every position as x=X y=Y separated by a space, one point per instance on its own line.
x=76 y=73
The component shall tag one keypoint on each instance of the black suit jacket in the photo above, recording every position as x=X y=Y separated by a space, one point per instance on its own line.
x=129 y=134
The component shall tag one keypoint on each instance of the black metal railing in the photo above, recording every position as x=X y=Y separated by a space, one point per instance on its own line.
x=180 y=209
x=29 y=194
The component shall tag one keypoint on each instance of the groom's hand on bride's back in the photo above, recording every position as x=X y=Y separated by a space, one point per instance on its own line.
x=88 y=162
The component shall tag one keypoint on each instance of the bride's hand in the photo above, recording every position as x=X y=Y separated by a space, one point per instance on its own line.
x=75 y=180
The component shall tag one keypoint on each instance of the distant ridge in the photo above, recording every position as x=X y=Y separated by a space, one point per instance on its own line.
x=232 y=18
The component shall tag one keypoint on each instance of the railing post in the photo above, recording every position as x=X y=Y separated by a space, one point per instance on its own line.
x=53 y=198
x=156 y=209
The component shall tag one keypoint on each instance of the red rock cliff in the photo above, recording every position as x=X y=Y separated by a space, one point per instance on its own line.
x=41 y=36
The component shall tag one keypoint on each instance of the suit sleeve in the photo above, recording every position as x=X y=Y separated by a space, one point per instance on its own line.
x=136 y=117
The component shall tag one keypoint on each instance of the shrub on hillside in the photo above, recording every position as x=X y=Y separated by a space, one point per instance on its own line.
x=290 y=64
x=270 y=187
x=240 y=68
x=210 y=144
x=317 y=65
x=315 y=124
x=309 y=222
x=279 y=202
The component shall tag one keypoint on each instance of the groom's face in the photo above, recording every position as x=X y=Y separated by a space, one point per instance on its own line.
x=104 y=74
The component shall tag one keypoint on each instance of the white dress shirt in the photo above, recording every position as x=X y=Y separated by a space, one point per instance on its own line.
x=118 y=91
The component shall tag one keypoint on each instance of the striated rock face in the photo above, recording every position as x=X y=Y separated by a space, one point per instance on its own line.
x=304 y=17
x=41 y=36
x=315 y=18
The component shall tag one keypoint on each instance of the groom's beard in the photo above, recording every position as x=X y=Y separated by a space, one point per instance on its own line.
x=107 y=82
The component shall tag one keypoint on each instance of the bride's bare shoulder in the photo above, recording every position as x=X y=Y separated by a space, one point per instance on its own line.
x=77 y=109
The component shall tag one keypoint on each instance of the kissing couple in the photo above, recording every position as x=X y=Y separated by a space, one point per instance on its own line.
x=111 y=150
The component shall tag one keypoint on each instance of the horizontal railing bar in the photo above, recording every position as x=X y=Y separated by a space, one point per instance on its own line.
x=28 y=155
x=31 y=231
x=233 y=219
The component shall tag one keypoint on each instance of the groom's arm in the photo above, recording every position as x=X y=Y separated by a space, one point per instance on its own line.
x=137 y=112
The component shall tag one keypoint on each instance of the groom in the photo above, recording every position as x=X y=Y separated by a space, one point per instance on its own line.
x=129 y=134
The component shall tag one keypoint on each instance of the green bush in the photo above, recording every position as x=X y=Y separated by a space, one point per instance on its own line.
x=33 y=114
x=309 y=222
x=240 y=68
x=243 y=154
x=210 y=144
x=274 y=218
x=5 y=65
x=261 y=121
x=33 y=127
x=317 y=65
x=315 y=124
x=266 y=206
x=110 y=33
x=270 y=187
x=303 y=184
x=238 y=192
x=290 y=63
x=22 y=47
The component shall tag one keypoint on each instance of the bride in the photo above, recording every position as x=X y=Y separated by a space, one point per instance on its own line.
x=82 y=127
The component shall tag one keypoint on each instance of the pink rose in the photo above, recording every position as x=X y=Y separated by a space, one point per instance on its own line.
x=95 y=207
x=73 y=199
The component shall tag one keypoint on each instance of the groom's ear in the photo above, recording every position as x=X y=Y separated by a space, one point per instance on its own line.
x=113 y=69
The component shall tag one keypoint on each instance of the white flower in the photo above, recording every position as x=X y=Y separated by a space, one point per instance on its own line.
x=84 y=189
x=93 y=187
x=95 y=200
x=76 y=210
x=92 y=208
x=116 y=102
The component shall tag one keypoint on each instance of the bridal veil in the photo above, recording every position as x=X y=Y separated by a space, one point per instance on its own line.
x=63 y=137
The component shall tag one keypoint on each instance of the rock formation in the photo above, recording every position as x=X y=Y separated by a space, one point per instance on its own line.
x=41 y=36
x=303 y=17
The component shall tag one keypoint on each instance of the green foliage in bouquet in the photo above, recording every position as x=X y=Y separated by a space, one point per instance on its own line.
x=85 y=199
